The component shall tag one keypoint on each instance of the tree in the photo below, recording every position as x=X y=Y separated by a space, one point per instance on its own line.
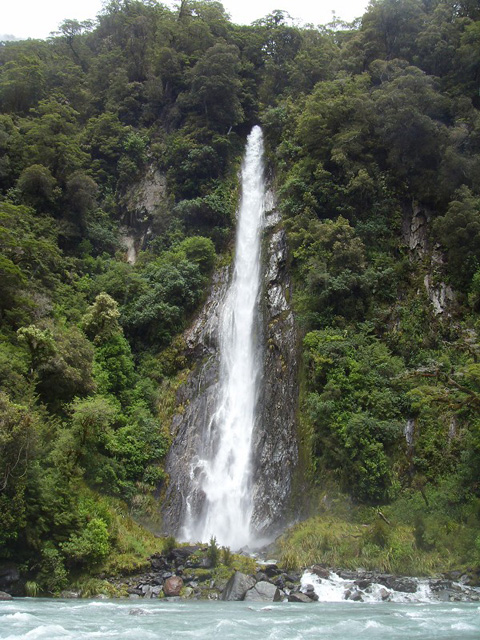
x=71 y=30
x=38 y=188
x=390 y=28
x=101 y=320
x=459 y=232
x=17 y=450
x=215 y=87
x=52 y=138
x=22 y=83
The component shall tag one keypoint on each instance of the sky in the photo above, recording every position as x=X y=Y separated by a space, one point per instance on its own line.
x=37 y=18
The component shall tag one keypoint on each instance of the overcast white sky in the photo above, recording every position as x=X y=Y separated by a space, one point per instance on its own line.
x=37 y=18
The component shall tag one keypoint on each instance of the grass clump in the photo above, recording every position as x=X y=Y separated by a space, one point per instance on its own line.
x=92 y=587
x=341 y=544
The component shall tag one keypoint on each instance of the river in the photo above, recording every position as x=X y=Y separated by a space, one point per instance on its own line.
x=49 y=619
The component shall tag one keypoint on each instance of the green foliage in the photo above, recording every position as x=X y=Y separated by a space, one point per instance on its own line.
x=213 y=552
x=89 y=546
x=32 y=589
x=18 y=440
x=22 y=83
x=38 y=188
x=169 y=544
x=459 y=232
x=101 y=320
x=174 y=288
x=342 y=543
x=354 y=409
x=114 y=367
x=365 y=124
x=52 y=576
x=200 y=251
x=227 y=557
x=215 y=86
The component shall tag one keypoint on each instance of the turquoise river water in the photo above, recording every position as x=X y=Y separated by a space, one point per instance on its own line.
x=32 y=619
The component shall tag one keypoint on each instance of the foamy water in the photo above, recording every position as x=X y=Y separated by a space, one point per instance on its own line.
x=333 y=590
x=42 y=619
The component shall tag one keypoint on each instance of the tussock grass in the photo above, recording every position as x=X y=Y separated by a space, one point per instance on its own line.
x=338 y=543
x=132 y=544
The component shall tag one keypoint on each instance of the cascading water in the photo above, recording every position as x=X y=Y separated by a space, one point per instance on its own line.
x=222 y=469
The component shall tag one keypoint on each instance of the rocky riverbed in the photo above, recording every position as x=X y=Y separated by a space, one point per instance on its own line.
x=187 y=573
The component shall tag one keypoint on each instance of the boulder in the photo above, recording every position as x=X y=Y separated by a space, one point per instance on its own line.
x=237 y=586
x=264 y=592
x=363 y=584
x=347 y=575
x=5 y=596
x=406 y=585
x=151 y=591
x=158 y=562
x=298 y=596
x=310 y=592
x=172 y=586
x=279 y=582
x=320 y=571
x=271 y=570
x=179 y=556
x=354 y=595
x=384 y=594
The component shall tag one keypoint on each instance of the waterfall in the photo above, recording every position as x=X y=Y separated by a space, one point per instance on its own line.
x=222 y=469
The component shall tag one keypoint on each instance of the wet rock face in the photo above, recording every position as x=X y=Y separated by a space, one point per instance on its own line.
x=274 y=440
x=416 y=235
x=196 y=403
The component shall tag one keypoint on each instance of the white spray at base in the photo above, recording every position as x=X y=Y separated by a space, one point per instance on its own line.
x=336 y=589
x=223 y=469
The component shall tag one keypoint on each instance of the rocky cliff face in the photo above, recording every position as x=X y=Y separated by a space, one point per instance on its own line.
x=141 y=204
x=415 y=233
x=275 y=441
x=275 y=444
x=196 y=404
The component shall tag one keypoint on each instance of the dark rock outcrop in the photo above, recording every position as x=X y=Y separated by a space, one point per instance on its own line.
x=10 y=580
x=406 y=585
x=275 y=440
x=196 y=403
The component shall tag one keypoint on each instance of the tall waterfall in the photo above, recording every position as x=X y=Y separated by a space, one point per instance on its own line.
x=223 y=468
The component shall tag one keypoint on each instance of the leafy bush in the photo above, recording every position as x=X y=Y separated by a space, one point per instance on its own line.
x=90 y=545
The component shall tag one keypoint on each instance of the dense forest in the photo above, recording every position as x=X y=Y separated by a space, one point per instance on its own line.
x=373 y=137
